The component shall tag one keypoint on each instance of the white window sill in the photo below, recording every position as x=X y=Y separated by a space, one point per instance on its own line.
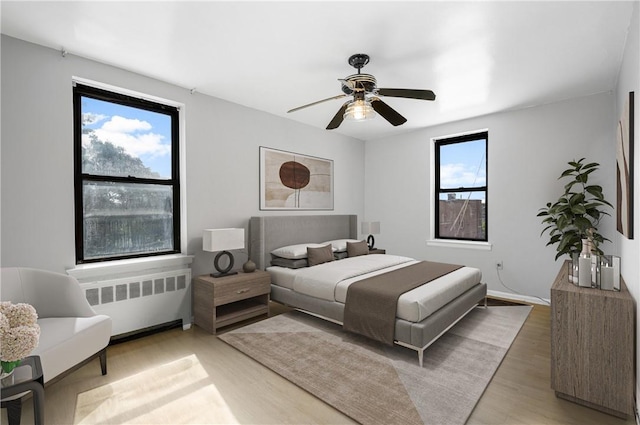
x=135 y=266
x=443 y=243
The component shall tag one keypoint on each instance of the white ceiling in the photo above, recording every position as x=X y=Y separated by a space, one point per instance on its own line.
x=478 y=57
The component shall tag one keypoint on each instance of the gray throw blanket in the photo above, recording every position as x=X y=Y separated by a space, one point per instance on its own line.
x=370 y=307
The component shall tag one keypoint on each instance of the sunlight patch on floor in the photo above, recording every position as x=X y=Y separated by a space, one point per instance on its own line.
x=176 y=392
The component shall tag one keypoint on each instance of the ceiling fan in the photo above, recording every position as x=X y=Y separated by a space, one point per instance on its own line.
x=365 y=94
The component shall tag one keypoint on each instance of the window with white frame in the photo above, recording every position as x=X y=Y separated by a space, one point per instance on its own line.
x=126 y=169
x=461 y=187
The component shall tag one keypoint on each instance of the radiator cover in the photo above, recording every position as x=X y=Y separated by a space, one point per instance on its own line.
x=135 y=303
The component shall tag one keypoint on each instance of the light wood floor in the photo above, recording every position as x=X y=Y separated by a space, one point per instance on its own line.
x=192 y=377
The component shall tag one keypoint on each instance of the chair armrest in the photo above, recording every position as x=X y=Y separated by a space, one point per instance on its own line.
x=54 y=294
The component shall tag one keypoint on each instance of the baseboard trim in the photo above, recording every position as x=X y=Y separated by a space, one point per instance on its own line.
x=617 y=414
x=518 y=297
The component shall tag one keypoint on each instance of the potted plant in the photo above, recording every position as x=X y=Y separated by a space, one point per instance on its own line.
x=572 y=221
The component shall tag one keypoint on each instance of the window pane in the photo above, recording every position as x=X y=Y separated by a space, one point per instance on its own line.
x=124 y=219
x=463 y=215
x=123 y=141
x=463 y=165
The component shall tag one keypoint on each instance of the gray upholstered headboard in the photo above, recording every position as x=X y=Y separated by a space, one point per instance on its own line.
x=271 y=232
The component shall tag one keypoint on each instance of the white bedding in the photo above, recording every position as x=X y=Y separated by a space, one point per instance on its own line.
x=330 y=281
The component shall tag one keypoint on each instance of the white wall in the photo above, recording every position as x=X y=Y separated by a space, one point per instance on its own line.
x=222 y=145
x=528 y=149
x=629 y=80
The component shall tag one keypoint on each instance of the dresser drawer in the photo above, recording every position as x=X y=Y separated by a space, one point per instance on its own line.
x=228 y=292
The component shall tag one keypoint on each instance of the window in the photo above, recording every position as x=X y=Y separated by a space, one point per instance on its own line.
x=461 y=187
x=127 y=191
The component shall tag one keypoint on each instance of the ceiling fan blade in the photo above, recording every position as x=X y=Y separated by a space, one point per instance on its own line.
x=338 y=118
x=315 y=103
x=408 y=93
x=387 y=112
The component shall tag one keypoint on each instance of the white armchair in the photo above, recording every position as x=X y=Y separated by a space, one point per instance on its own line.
x=70 y=331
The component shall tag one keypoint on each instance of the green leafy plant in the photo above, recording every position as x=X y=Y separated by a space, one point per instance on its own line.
x=575 y=216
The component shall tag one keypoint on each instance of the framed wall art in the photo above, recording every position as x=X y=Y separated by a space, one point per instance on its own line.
x=292 y=181
x=625 y=169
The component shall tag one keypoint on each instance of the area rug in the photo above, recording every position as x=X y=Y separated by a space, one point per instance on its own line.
x=376 y=384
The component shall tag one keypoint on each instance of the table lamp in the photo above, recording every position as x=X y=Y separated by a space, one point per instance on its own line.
x=221 y=241
x=372 y=228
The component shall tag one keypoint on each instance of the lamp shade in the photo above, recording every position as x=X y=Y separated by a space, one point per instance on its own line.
x=370 y=228
x=215 y=240
x=359 y=110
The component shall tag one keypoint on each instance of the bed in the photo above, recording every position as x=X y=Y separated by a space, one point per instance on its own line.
x=423 y=314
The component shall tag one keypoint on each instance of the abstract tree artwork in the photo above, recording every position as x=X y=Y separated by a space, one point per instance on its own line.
x=292 y=181
x=624 y=169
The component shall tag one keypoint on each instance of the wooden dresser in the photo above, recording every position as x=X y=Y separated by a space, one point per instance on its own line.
x=592 y=346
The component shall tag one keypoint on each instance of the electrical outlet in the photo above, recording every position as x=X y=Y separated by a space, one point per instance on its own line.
x=499 y=265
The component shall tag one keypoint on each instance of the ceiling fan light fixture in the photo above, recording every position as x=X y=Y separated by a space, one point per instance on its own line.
x=359 y=110
x=366 y=103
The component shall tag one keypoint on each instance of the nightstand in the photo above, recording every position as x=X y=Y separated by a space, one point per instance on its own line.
x=377 y=251
x=221 y=301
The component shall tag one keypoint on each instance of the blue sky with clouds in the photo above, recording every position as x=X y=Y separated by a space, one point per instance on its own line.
x=142 y=134
x=463 y=165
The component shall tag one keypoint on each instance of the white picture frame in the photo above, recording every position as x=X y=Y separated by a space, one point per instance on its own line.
x=293 y=181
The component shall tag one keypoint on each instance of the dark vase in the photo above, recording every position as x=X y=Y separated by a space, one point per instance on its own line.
x=249 y=266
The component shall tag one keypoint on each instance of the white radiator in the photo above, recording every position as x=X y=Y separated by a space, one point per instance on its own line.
x=138 y=302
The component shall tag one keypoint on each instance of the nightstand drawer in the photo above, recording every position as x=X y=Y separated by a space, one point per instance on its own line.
x=227 y=292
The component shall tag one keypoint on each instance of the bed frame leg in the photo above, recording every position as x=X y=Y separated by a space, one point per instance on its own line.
x=420 y=356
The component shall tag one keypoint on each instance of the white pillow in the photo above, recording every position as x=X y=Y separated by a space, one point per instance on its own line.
x=294 y=252
x=340 y=245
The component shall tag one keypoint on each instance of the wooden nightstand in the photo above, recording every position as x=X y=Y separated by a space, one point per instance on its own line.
x=221 y=301
x=377 y=251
